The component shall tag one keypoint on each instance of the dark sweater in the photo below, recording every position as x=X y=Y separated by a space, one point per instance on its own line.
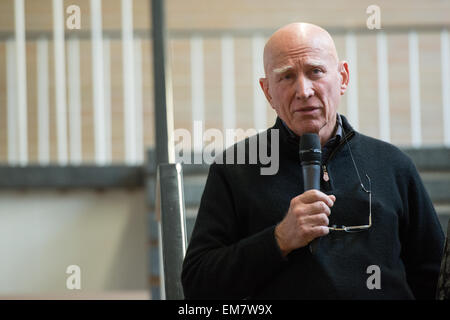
x=233 y=253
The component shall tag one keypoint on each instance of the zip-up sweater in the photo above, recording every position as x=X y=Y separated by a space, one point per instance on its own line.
x=233 y=253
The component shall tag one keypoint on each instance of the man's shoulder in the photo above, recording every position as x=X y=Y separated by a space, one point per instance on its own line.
x=384 y=151
x=246 y=147
x=255 y=154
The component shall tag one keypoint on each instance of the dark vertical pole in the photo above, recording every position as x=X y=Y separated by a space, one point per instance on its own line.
x=161 y=81
x=173 y=227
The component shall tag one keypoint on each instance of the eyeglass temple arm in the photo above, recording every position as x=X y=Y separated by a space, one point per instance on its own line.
x=370 y=185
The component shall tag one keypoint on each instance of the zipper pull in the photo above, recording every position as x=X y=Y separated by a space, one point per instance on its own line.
x=325 y=173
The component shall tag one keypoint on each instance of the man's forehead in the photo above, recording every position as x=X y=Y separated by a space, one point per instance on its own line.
x=283 y=67
x=298 y=43
x=307 y=48
x=283 y=60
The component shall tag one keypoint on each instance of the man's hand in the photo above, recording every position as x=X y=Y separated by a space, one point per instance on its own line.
x=307 y=219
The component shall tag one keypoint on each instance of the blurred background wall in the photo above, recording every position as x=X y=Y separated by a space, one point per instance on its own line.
x=85 y=97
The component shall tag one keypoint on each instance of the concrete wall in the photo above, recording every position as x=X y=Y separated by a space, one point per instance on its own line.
x=43 y=232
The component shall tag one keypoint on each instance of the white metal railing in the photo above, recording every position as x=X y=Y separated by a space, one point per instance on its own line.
x=414 y=89
x=259 y=101
x=351 y=44
x=60 y=81
x=101 y=90
x=98 y=84
x=20 y=81
x=43 y=102
x=69 y=129
x=352 y=91
x=383 y=87
x=445 y=80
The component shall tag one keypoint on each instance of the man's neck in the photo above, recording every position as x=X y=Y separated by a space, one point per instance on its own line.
x=325 y=137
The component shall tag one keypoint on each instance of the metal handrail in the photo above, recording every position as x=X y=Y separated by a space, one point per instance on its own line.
x=170 y=211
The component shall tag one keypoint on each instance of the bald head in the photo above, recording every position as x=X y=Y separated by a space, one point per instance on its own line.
x=295 y=37
x=304 y=78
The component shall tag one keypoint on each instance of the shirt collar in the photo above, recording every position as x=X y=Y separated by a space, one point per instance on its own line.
x=338 y=134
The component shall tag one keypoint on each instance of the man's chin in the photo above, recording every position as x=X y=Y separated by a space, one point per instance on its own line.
x=302 y=127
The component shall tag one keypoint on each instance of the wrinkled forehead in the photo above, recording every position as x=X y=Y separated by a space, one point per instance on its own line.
x=292 y=48
x=308 y=55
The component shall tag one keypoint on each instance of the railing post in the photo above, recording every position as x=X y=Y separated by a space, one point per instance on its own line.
x=163 y=110
x=171 y=212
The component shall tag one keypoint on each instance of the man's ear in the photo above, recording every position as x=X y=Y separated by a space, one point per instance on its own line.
x=264 y=83
x=345 y=76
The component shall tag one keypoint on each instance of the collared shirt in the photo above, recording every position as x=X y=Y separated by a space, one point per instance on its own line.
x=330 y=144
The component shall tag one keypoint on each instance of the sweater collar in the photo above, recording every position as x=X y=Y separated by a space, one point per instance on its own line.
x=337 y=135
x=287 y=135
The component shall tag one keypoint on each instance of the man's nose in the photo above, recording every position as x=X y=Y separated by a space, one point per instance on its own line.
x=304 y=89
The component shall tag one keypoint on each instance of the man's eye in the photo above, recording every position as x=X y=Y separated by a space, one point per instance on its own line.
x=317 y=71
x=287 y=76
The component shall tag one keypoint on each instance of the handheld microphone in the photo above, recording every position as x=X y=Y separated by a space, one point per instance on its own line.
x=310 y=159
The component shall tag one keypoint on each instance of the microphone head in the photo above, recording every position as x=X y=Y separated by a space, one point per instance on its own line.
x=310 y=149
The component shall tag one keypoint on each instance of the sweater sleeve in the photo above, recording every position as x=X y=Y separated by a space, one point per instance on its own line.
x=423 y=239
x=221 y=261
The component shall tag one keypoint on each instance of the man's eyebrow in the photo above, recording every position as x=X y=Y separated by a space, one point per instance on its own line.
x=313 y=63
x=282 y=69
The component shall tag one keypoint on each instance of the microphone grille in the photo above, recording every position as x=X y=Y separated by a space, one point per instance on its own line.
x=310 y=149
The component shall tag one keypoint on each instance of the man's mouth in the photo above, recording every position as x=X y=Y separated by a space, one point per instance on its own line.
x=307 y=110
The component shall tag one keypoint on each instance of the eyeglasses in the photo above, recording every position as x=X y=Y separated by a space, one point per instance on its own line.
x=368 y=191
x=361 y=227
x=350 y=229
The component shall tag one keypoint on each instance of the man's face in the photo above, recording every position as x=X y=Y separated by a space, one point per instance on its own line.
x=304 y=84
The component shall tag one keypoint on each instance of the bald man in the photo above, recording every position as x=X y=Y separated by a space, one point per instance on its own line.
x=375 y=230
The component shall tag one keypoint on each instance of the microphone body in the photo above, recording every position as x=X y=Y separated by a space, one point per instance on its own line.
x=311 y=176
x=310 y=159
